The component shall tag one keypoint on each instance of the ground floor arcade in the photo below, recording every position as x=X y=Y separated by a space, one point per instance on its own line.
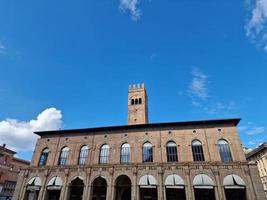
x=139 y=183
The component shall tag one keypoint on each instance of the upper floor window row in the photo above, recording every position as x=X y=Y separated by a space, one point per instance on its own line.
x=147 y=153
x=136 y=101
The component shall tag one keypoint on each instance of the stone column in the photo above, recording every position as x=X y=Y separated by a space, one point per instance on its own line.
x=134 y=184
x=86 y=192
x=64 y=189
x=219 y=186
x=110 y=186
x=44 y=183
x=160 y=185
x=188 y=190
x=23 y=188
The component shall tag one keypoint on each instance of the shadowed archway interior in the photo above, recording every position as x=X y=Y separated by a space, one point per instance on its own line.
x=76 y=189
x=123 y=188
x=99 y=189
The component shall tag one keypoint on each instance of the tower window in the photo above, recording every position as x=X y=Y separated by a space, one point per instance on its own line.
x=140 y=101
x=136 y=101
x=132 y=102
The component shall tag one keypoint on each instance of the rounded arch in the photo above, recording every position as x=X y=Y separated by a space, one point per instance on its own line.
x=55 y=181
x=233 y=181
x=105 y=145
x=203 y=181
x=99 y=188
x=122 y=178
x=84 y=147
x=65 y=148
x=77 y=176
x=174 y=181
x=222 y=141
x=147 y=180
x=98 y=176
x=35 y=181
x=147 y=143
x=196 y=142
x=171 y=143
x=125 y=145
x=123 y=185
x=46 y=150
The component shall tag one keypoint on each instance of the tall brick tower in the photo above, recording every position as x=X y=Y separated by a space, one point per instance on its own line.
x=137 y=104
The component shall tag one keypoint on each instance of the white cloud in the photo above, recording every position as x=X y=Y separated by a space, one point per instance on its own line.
x=201 y=99
x=254 y=130
x=256 y=26
x=198 y=85
x=2 y=48
x=132 y=7
x=19 y=136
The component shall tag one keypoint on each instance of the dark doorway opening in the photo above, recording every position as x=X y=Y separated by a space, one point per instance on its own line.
x=31 y=195
x=99 y=189
x=123 y=188
x=53 y=195
x=175 y=194
x=148 y=194
x=76 y=189
x=204 y=194
x=235 y=194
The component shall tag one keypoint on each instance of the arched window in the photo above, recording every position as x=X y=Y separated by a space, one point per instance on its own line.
x=140 y=101
x=171 y=152
x=63 y=157
x=147 y=152
x=43 y=157
x=132 y=102
x=104 y=154
x=83 y=155
x=224 y=150
x=125 y=153
x=197 y=151
x=136 y=101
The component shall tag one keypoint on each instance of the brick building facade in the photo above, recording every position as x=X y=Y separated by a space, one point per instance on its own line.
x=9 y=171
x=191 y=160
x=259 y=156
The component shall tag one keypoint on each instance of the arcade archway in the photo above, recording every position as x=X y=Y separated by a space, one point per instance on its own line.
x=76 y=189
x=234 y=187
x=99 y=189
x=174 y=187
x=123 y=187
x=148 y=188
x=203 y=187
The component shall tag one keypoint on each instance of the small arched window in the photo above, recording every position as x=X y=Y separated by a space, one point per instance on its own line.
x=147 y=152
x=125 y=153
x=197 y=151
x=140 y=101
x=63 y=157
x=83 y=156
x=224 y=150
x=43 y=157
x=136 y=101
x=104 y=154
x=132 y=102
x=171 y=152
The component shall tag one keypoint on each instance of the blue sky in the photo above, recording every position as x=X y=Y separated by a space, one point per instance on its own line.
x=70 y=64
